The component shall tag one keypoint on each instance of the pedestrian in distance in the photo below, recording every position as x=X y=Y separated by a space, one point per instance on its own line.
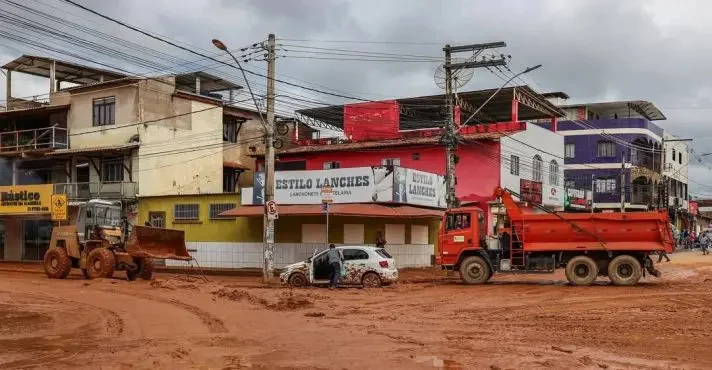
x=336 y=258
x=380 y=240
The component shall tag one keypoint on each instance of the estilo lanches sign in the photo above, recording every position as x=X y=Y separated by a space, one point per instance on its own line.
x=353 y=185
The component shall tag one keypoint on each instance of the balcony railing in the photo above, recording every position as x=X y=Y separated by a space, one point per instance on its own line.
x=40 y=138
x=105 y=190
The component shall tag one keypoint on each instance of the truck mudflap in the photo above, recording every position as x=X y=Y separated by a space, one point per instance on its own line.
x=650 y=267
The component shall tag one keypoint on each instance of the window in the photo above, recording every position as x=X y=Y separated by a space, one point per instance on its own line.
x=605 y=185
x=186 y=212
x=514 y=165
x=355 y=254
x=230 y=129
x=230 y=177
x=606 y=149
x=287 y=166
x=569 y=151
x=157 y=219
x=218 y=208
x=679 y=157
x=104 y=111
x=331 y=165
x=112 y=171
x=390 y=162
x=458 y=221
x=537 y=165
x=674 y=155
x=553 y=173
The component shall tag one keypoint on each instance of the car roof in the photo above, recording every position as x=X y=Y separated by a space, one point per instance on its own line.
x=358 y=246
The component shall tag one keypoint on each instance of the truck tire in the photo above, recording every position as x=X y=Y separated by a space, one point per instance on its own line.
x=475 y=270
x=100 y=263
x=57 y=263
x=625 y=270
x=581 y=270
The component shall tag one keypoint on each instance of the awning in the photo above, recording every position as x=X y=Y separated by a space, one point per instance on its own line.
x=97 y=149
x=355 y=209
x=235 y=165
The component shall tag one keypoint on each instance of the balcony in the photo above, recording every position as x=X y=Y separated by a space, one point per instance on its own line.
x=93 y=190
x=34 y=139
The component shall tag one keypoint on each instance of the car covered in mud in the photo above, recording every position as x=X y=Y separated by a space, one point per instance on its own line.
x=367 y=266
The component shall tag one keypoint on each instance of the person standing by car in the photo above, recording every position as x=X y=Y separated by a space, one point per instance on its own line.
x=336 y=258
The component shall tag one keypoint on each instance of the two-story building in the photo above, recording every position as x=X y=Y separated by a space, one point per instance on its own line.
x=171 y=149
x=615 y=150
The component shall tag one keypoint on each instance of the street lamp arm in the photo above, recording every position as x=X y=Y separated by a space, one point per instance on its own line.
x=220 y=45
x=529 y=69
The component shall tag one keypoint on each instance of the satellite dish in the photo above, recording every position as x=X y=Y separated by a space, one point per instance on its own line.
x=460 y=76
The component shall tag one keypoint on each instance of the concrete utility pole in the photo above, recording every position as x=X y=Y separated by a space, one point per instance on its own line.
x=451 y=137
x=623 y=181
x=269 y=162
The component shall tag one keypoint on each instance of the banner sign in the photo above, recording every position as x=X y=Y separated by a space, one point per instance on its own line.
x=553 y=195
x=578 y=198
x=24 y=199
x=349 y=185
x=380 y=184
x=419 y=188
x=530 y=191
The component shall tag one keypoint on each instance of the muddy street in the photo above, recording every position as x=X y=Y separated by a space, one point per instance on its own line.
x=425 y=321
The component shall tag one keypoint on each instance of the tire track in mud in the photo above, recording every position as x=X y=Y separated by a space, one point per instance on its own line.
x=214 y=324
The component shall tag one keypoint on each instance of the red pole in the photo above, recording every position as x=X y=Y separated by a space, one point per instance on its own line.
x=515 y=110
x=554 y=123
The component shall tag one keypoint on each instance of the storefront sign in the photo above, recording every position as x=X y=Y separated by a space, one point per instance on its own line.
x=25 y=199
x=419 y=188
x=59 y=207
x=578 y=198
x=349 y=185
x=553 y=195
x=530 y=191
x=694 y=208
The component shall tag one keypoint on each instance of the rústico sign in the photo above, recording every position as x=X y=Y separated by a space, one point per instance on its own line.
x=25 y=199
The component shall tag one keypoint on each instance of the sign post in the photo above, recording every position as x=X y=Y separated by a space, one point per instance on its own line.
x=272 y=210
x=327 y=197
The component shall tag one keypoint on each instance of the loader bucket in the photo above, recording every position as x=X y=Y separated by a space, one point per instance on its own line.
x=152 y=242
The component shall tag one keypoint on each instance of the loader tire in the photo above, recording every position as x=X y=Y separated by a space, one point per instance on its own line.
x=475 y=270
x=57 y=263
x=146 y=271
x=581 y=270
x=100 y=263
x=625 y=270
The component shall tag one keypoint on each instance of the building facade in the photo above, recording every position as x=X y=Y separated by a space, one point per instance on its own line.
x=171 y=150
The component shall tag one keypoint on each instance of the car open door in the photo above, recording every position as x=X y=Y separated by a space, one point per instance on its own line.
x=311 y=266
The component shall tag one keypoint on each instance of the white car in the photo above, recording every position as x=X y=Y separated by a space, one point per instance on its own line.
x=368 y=266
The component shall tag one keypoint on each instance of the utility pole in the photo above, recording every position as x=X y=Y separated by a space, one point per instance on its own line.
x=622 y=181
x=269 y=233
x=593 y=191
x=451 y=137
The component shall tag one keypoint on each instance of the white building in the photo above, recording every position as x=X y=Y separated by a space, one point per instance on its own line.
x=675 y=166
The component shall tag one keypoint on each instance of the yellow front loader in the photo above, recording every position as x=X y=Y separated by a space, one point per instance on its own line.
x=99 y=245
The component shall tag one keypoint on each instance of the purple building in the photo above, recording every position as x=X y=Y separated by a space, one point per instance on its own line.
x=614 y=148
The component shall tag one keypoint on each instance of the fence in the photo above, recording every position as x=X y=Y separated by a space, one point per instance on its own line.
x=107 y=189
x=41 y=138
x=250 y=255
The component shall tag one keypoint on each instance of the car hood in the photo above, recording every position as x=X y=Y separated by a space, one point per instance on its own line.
x=302 y=266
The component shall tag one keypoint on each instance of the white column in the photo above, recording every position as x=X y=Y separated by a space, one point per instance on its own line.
x=52 y=76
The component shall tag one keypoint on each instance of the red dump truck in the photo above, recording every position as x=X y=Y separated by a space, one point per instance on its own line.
x=587 y=245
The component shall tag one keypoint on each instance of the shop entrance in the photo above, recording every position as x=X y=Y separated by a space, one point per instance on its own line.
x=37 y=235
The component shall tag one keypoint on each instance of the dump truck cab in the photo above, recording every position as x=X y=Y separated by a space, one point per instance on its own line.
x=616 y=245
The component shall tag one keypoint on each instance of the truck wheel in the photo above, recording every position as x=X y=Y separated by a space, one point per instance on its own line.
x=475 y=270
x=57 y=263
x=624 y=270
x=581 y=270
x=100 y=263
x=131 y=275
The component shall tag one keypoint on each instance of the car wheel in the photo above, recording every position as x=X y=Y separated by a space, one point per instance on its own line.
x=297 y=280
x=371 y=280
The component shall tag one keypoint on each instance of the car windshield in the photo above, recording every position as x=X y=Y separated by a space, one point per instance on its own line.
x=382 y=252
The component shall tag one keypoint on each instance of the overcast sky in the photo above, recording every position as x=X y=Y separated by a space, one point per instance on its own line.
x=594 y=50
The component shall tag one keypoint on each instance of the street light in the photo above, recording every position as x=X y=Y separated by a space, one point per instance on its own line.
x=220 y=45
x=529 y=69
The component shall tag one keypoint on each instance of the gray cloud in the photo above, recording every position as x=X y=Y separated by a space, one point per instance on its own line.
x=594 y=50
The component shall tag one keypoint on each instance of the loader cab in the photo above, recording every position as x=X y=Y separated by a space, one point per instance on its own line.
x=97 y=213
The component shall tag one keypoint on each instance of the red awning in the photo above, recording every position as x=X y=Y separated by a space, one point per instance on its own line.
x=355 y=209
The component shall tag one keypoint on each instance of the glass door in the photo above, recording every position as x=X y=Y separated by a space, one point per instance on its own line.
x=37 y=235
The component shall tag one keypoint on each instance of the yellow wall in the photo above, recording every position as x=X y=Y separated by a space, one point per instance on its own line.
x=249 y=229
x=205 y=229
